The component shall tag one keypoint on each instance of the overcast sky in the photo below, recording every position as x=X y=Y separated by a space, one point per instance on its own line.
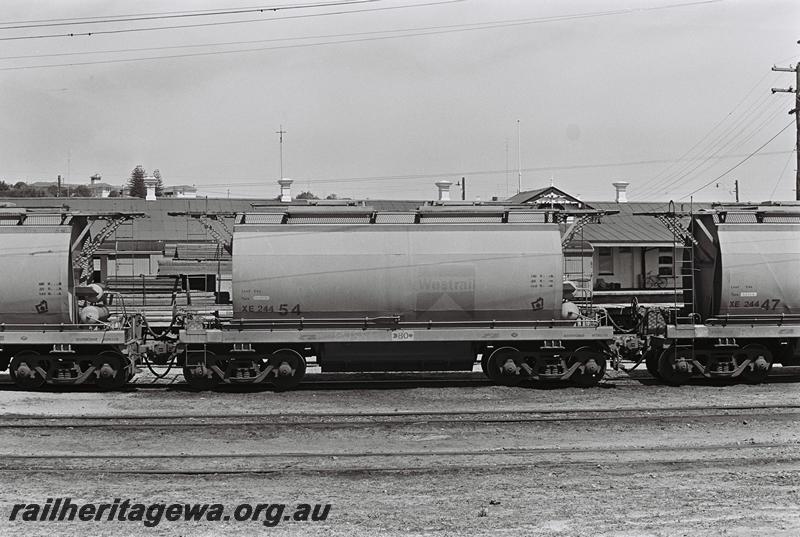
x=380 y=99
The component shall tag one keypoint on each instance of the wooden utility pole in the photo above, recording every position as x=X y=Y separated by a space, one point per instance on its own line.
x=790 y=89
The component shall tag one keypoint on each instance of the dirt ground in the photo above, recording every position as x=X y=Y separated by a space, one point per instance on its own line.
x=651 y=474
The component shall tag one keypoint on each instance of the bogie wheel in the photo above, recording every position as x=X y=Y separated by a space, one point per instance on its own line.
x=503 y=366
x=592 y=368
x=760 y=363
x=26 y=370
x=674 y=366
x=651 y=362
x=288 y=368
x=112 y=371
x=201 y=376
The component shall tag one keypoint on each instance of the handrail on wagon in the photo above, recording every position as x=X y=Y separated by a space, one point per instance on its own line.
x=766 y=319
x=390 y=323
x=54 y=327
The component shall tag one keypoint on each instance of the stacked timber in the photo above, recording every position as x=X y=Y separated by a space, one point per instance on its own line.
x=157 y=297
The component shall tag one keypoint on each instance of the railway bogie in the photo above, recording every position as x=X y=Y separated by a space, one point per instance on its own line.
x=583 y=365
x=205 y=366
x=677 y=361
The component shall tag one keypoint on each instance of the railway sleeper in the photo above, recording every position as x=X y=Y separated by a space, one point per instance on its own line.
x=510 y=366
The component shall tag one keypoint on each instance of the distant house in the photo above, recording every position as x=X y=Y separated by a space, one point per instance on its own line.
x=179 y=191
x=548 y=198
x=626 y=255
x=102 y=190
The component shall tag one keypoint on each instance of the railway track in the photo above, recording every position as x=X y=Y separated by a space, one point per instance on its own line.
x=675 y=458
x=347 y=442
x=367 y=381
x=348 y=419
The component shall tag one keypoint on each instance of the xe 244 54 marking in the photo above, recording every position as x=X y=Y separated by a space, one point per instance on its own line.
x=283 y=309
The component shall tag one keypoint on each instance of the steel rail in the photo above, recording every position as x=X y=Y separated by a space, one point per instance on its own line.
x=403 y=413
x=505 y=451
x=111 y=424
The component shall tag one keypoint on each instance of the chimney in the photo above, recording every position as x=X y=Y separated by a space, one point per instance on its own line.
x=444 y=190
x=286 y=189
x=622 y=191
x=150 y=183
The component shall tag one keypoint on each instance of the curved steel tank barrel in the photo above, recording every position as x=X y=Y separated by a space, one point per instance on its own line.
x=435 y=271
x=749 y=264
x=35 y=262
x=760 y=269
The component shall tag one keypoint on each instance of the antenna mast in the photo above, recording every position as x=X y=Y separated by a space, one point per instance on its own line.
x=281 y=132
x=519 y=160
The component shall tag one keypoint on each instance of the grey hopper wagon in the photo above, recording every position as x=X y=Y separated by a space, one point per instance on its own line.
x=53 y=321
x=743 y=290
x=364 y=290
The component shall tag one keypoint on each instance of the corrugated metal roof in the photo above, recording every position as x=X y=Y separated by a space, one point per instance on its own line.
x=624 y=227
x=523 y=197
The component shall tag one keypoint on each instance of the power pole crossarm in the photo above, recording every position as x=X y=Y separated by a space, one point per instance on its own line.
x=790 y=89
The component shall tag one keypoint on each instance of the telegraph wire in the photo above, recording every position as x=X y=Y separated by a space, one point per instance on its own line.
x=225 y=23
x=172 y=15
x=715 y=145
x=748 y=157
x=724 y=144
x=471 y=27
x=255 y=181
x=733 y=134
x=524 y=21
x=722 y=120
x=464 y=26
x=780 y=177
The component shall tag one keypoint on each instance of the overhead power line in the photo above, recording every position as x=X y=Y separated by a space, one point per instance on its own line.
x=734 y=138
x=171 y=15
x=434 y=30
x=233 y=181
x=737 y=107
x=225 y=23
x=729 y=170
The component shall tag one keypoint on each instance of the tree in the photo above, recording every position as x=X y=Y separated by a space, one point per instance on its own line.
x=306 y=196
x=4 y=186
x=159 y=183
x=331 y=197
x=136 y=186
x=82 y=191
